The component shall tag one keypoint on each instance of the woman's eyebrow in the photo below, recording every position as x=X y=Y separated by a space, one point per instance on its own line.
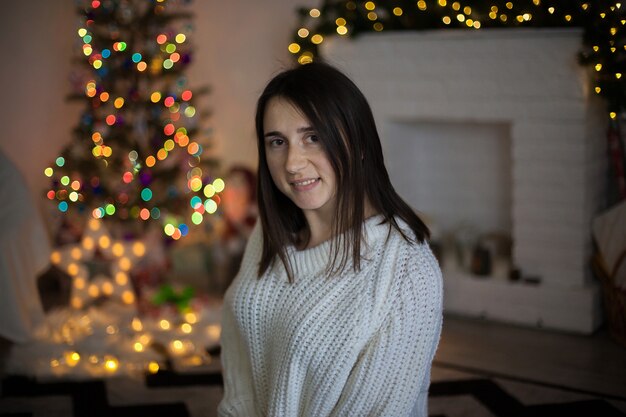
x=275 y=133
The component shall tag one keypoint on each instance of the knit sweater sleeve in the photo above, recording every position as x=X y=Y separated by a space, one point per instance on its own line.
x=238 y=400
x=392 y=373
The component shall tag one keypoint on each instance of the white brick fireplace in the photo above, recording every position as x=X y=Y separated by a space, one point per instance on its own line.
x=494 y=129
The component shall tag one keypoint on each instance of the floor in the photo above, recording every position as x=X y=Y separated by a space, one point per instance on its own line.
x=594 y=364
x=505 y=364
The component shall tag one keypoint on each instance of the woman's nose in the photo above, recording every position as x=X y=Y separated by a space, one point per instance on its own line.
x=296 y=159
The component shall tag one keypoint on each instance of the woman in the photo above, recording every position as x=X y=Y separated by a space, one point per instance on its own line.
x=337 y=307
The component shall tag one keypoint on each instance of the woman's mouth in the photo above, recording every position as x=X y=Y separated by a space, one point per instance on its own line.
x=304 y=185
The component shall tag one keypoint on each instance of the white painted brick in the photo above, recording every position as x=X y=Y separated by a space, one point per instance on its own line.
x=531 y=81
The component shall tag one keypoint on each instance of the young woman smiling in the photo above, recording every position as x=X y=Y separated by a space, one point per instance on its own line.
x=337 y=307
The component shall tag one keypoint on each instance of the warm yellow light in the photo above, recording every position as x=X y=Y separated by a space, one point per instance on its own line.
x=88 y=243
x=186 y=328
x=568 y=17
x=519 y=18
x=71 y=358
x=314 y=13
x=397 y=11
x=469 y=23
x=136 y=324
x=305 y=58
x=177 y=346
x=164 y=324
x=317 y=39
x=153 y=367
x=195 y=360
x=191 y=318
x=342 y=30
x=340 y=21
x=467 y=10
x=104 y=242
x=456 y=6
x=107 y=288
x=121 y=278
x=612 y=115
x=551 y=10
x=442 y=3
x=138 y=347
x=145 y=339
x=421 y=4
x=503 y=17
x=72 y=269
x=303 y=32
x=613 y=31
x=128 y=297
x=446 y=20
x=476 y=24
x=370 y=5
x=618 y=75
x=94 y=225
x=125 y=264
x=93 y=291
x=527 y=16
x=118 y=249
x=139 y=249
x=79 y=283
x=460 y=17
x=598 y=90
x=294 y=48
x=55 y=257
x=54 y=363
x=598 y=67
x=77 y=302
x=111 y=363
x=536 y=2
x=111 y=329
x=509 y=5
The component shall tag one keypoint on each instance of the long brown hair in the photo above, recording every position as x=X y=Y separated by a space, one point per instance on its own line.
x=343 y=120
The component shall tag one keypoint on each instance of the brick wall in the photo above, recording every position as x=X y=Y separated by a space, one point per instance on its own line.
x=529 y=79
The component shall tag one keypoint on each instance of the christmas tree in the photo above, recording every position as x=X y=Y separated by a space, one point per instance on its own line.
x=137 y=155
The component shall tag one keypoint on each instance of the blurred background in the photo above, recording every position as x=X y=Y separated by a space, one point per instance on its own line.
x=128 y=161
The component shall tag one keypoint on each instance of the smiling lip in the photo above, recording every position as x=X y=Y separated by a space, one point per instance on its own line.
x=305 y=184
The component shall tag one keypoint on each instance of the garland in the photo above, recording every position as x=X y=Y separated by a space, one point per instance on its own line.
x=604 y=23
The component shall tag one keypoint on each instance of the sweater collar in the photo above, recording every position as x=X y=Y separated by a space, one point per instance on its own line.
x=315 y=260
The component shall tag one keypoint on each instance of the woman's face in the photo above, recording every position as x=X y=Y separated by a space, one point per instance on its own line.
x=297 y=160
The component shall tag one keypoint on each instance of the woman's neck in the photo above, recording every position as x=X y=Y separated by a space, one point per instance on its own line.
x=320 y=228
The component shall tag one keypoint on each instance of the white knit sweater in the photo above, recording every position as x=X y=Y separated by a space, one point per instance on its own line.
x=357 y=344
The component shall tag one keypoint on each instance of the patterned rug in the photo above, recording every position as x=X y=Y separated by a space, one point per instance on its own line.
x=454 y=392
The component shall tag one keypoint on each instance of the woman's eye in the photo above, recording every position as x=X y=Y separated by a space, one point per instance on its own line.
x=276 y=142
x=313 y=138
